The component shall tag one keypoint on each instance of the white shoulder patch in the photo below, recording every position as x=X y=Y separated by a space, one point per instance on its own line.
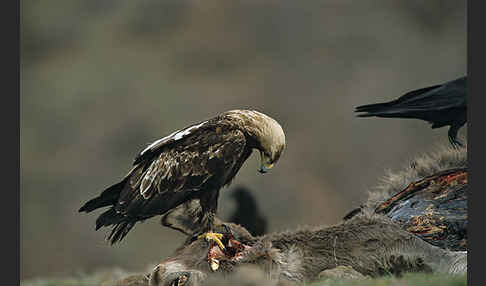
x=187 y=131
x=162 y=140
x=176 y=135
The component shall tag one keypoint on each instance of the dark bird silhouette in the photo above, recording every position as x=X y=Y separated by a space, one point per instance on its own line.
x=191 y=164
x=441 y=105
x=247 y=213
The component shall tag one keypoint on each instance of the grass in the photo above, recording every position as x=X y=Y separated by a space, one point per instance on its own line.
x=78 y=279
x=415 y=279
x=65 y=282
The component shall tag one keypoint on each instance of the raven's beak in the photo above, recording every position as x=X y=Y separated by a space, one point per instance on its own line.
x=265 y=165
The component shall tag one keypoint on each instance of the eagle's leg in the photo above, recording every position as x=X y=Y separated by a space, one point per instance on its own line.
x=209 y=205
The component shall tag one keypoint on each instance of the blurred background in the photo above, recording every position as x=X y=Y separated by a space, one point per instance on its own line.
x=102 y=79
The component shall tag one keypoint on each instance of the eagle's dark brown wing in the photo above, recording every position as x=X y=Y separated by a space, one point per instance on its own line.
x=180 y=171
x=175 y=137
x=199 y=162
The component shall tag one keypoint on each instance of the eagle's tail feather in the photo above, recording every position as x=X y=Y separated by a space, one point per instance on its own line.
x=121 y=226
x=120 y=230
x=107 y=197
x=109 y=217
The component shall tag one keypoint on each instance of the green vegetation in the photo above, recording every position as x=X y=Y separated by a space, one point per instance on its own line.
x=415 y=279
x=78 y=279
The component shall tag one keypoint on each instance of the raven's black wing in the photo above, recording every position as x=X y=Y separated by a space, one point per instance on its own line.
x=434 y=98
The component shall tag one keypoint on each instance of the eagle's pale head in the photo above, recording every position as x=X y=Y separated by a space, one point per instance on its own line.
x=268 y=135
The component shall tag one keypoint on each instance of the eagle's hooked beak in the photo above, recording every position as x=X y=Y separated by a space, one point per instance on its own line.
x=265 y=163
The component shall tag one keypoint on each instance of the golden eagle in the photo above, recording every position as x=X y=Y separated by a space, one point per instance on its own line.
x=191 y=164
x=441 y=105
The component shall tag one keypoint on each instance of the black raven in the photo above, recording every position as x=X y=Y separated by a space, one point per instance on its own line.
x=441 y=105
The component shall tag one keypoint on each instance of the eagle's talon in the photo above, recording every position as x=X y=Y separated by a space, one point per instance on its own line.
x=216 y=237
